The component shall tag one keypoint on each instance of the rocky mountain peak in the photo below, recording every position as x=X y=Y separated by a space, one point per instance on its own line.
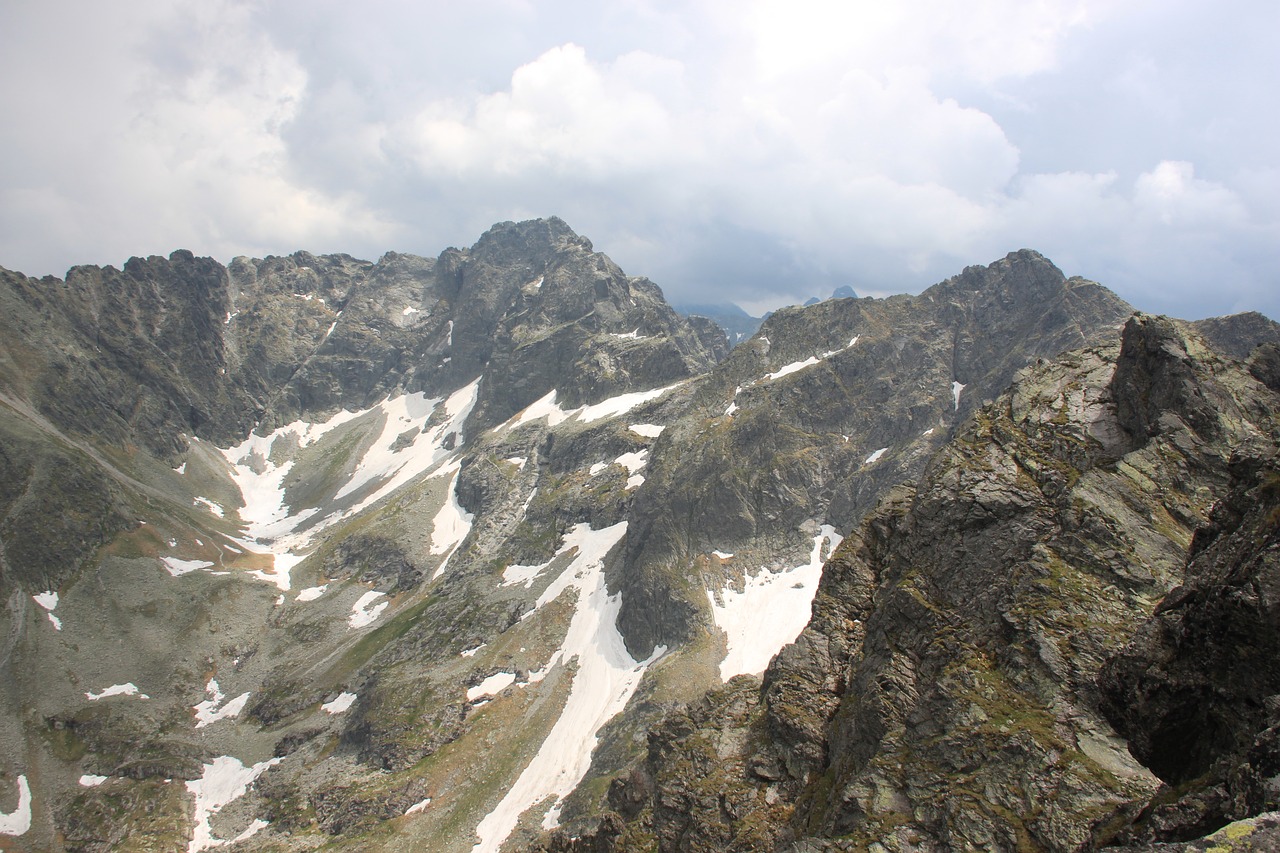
x=531 y=240
x=441 y=553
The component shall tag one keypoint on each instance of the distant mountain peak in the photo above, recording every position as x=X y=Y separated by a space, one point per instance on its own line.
x=842 y=292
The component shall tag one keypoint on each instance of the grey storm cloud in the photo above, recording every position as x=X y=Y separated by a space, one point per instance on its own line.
x=756 y=152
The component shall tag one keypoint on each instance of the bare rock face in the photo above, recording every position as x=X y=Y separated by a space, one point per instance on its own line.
x=826 y=408
x=944 y=695
x=1195 y=691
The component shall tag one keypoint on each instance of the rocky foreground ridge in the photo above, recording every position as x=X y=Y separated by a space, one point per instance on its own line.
x=496 y=551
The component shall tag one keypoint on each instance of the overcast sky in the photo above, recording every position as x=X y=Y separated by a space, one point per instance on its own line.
x=757 y=151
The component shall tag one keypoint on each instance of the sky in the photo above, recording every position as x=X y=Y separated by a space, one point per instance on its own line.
x=753 y=151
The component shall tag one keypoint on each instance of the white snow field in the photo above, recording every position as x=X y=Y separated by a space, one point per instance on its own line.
x=126 y=689
x=788 y=369
x=384 y=467
x=342 y=702
x=178 y=567
x=491 y=686
x=451 y=524
x=49 y=601
x=214 y=709
x=223 y=781
x=312 y=593
x=607 y=677
x=771 y=610
x=647 y=430
x=18 y=821
x=364 y=611
x=547 y=407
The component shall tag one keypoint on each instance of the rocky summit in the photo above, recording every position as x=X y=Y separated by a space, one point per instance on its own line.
x=496 y=551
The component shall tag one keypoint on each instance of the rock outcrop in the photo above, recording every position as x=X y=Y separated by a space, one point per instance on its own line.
x=825 y=408
x=944 y=693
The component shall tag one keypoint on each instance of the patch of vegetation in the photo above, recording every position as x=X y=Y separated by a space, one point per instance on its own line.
x=150 y=816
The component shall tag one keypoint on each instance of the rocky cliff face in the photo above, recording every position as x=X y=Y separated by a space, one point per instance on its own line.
x=1195 y=690
x=944 y=695
x=829 y=405
x=313 y=552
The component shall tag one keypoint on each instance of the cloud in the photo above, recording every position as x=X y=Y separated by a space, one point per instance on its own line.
x=176 y=142
x=760 y=151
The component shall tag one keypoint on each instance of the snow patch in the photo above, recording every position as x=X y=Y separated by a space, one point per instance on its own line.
x=311 y=593
x=526 y=575
x=770 y=611
x=448 y=341
x=874 y=457
x=634 y=482
x=409 y=309
x=470 y=653
x=17 y=822
x=788 y=369
x=210 y=505
x=224 y=780
x=343 y=701
x=178 y=568
x=632 y=335
x=49 y=601
x=89 y=780
x=252 y=830
x=392 y=467
x=633 y=462
x=126 y=689
x=364 y=611
x=956 y=388
x=212 y=709
x=450 y=526
x=647 y=430
x=381 y=470
x=491 y=686
x=181 y=469
x=606 y=678
x=596 y=468
x=518 y=461
x=547 y=407
x=544 y=407
x=722 y=555
x=794 y=366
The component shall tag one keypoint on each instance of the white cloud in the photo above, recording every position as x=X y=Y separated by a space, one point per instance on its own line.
x=172 y=138
x=984 y=40
x=1172 y=193
x=561 y=113
x=760 y=151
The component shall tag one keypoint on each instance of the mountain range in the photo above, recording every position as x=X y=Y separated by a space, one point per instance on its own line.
x=498 y=551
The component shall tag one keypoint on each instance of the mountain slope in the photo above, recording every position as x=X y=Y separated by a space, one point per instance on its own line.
x=943 y=695
x=243 y=582
x=312 y=552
